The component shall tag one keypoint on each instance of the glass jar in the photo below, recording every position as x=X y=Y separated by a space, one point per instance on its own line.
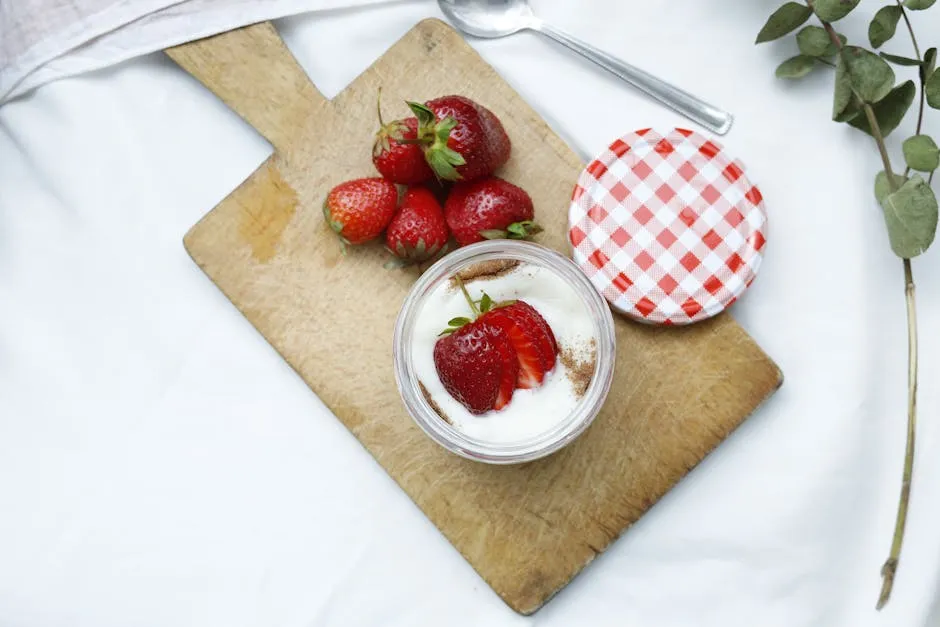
x=557 y=435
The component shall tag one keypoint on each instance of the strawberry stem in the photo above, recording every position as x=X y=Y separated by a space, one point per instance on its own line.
x=378 y=108
x=466 y=294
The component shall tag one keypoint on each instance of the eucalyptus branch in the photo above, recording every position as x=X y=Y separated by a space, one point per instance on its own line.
x=923 y=89
x=910 y=29
x=869 y=112
x=890 y=567
x=867 y=98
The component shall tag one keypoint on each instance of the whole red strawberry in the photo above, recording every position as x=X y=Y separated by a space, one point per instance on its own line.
x=463 y=140
x=359 y=210
x=418 y=231
x=402 y=163
x=477 y=366
x=490 y=208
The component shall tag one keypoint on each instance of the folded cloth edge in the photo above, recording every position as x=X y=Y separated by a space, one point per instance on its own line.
x=113 y=39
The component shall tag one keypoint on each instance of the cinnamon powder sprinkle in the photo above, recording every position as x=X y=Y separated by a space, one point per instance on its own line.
x=434 y=406
x=487 y=270
x=580 y=371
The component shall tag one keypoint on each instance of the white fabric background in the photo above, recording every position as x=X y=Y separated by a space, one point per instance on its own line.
x=45 y=40
x=161 y=465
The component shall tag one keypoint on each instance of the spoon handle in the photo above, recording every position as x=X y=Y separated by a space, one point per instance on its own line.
x=709 y=116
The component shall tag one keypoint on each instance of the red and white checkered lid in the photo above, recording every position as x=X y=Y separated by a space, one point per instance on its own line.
x=669 y=229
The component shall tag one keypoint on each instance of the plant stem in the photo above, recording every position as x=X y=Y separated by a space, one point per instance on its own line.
x=923 y=96
x=880 y=141
x=466 y=294
x=890 y=566
x=378 y=108
x=910 y=29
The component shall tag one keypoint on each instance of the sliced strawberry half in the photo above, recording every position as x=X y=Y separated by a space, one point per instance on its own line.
x=547 y=344
x=525 y=339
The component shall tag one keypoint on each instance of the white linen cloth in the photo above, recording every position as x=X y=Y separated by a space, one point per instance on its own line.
x=161 y=466
x=44 y=40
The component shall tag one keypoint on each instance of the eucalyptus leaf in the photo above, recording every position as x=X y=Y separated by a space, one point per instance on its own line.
x=899 y=60
x=833 y=10
x=815 y=42
x=854 y=110
x=890 y=111
x=932 y=89
x=884 y=25
x=911 y=217
x=881 y=185
x=843 y=98
x=929 y=64
x=921 y=153
x=796 y=67
x=918 y=5
x=870 y=76
x=784 y=20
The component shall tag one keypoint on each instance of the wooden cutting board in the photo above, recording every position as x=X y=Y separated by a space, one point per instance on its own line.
x=527 y=530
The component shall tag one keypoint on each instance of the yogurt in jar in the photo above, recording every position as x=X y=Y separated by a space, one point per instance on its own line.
x=531 y=412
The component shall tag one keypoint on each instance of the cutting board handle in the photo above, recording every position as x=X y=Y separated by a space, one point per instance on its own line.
x=254 y=73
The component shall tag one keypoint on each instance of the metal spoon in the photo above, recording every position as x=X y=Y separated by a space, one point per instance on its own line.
x=498 y=18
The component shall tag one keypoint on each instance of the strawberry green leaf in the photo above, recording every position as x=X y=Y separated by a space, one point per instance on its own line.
x=425 y=116
x=523 y=230
x=458 y=322
x=453 y=157
x=442 y=159
x=486 y=303
x=441 y=166
x=494 y=234
x=443 y=129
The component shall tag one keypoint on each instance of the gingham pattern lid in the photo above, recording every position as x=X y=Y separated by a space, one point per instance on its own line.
x=669 y=229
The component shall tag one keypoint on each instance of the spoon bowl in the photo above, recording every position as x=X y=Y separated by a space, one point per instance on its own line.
x=488 y=18
x=498 y=18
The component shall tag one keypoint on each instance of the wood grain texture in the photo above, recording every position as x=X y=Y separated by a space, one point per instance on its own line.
x=527 y=529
